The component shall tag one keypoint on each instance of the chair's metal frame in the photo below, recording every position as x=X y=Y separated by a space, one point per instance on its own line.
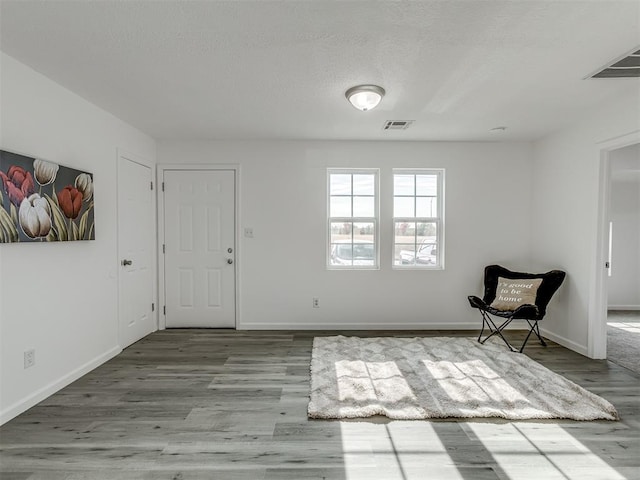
x=497 y=330
x=532 y=314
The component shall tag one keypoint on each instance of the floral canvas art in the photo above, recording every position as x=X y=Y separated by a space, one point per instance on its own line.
x=42 y=201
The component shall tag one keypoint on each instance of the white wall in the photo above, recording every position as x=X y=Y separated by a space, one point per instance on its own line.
x=59 y=299
x=624 y=283
x=566 y=169
x=283 y=198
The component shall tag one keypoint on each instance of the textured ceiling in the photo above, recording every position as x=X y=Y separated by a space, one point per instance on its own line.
x=279 y=69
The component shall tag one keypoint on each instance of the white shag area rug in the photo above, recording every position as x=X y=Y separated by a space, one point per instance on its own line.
x=440 y=377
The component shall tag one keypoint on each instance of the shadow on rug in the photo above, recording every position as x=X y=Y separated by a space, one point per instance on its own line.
x=441 y=377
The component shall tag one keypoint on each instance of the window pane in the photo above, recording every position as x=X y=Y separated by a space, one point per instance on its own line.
x=405 y=232
x=340 y=184
x=404 y=184
x=364 y=207
x=426 y=232
x=341 y=232
x=427 y=185
x=405 y=254
x=426 y=207
x=364 y=254
x=341 y=254
x=364 y=184
x=426 y=254
x=364 y=232
x=403 y=207
x=340 y=207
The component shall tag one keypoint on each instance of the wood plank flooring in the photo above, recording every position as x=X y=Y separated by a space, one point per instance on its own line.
x=220 y=404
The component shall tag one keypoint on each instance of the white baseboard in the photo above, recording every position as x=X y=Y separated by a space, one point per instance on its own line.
x=368 y=326
x=474 y=326
x=359 y=326
x=565 y=342
x=623 y=307
x=38 y=396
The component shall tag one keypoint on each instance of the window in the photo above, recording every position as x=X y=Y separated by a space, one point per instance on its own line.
x=353 y=219
x=417 y=218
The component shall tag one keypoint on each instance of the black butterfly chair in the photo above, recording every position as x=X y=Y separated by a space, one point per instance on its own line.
x=531 y=313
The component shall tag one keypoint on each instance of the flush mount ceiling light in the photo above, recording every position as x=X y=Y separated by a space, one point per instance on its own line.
x=365 y=97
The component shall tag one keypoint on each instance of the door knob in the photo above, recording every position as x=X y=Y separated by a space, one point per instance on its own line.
x=229 y=261
x=126 y=262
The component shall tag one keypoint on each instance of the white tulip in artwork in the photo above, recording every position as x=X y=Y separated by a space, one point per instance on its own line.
x=45 y=172
x=35 y=216
x=84 y=184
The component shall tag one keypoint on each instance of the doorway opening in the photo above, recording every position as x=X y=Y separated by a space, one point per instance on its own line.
x=623 y=276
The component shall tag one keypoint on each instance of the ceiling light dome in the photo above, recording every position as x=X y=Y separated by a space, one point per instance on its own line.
x=365 y=97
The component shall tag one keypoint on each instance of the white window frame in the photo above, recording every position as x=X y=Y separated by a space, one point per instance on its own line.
x=375 y=219
x=438 y=220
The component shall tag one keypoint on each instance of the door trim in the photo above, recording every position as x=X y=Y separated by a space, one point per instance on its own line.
x=597 y=333
x=162 y=323
x=121 y=153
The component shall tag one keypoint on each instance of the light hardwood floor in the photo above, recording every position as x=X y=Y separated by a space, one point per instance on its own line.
x=221 y=404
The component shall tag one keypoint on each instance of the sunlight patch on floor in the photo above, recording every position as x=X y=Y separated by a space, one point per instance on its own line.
x=627 y=327
x=540 y=450
x=398 y=450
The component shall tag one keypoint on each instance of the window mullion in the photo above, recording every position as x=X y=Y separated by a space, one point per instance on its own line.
x=351 y=196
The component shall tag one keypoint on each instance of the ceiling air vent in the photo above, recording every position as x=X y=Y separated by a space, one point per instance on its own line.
x=397 y=124
x=627 y=67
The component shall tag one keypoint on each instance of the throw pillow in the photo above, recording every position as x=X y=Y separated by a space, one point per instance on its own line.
x=512 y=293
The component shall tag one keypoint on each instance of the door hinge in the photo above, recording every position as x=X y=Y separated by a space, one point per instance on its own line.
x=151 y=185
x=164 y=310
x=163 y=249
x=163 y=186
x=153 y=307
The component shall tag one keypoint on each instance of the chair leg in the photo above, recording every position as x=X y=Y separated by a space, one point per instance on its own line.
x=484 y=322
x=533 y=329
x=494 y=329
x=537 y=332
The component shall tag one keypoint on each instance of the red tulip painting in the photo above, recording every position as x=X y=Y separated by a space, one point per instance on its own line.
x=18 y=184
x=70 y=201
x=44 y=201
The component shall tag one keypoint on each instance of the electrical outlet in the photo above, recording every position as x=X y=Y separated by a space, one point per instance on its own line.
x=248 y=232
x=316 y=303
x=29 y=358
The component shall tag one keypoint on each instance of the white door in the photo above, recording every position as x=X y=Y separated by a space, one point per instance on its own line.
x=199 y=238
x=136 y=232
